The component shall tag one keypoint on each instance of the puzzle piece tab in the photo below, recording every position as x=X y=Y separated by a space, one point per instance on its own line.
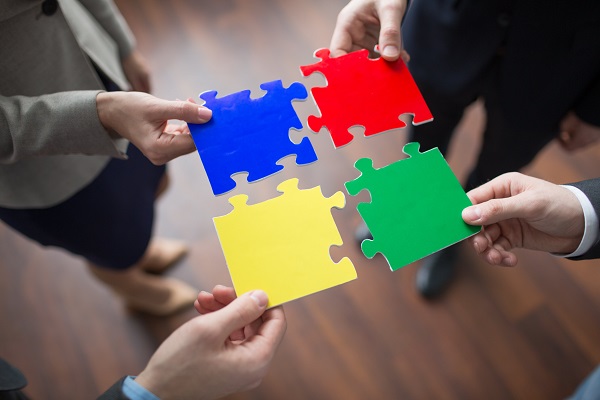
x=415 y=209
x=282 y=245
x=250 y=135
x=372 y=93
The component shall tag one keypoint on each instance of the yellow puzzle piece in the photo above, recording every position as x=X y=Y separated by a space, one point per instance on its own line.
x=282 y=245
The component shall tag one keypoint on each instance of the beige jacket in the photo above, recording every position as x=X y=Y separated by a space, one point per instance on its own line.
x=51 y=141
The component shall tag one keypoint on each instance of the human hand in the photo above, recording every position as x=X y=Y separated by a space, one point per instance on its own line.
x=516 y=210
x=220 y=297
x=363 y=23
x=143 y=120
x=198 y=361
x=576 y=134
x=137 y=72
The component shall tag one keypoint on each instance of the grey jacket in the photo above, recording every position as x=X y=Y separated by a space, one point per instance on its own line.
x=52 y=143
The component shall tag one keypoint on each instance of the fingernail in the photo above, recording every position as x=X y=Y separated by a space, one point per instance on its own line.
x=471 y=214
x=508 y=262
x=476 y=245
x=204 y=113
x=260 y=298
x=390 y=51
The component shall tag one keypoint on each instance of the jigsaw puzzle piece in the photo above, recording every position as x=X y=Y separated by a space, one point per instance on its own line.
x=282 y=245
x=353 y=81
x=415 y=209
x=250 y=135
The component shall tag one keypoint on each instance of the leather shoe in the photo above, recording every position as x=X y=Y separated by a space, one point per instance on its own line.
x=436 y=272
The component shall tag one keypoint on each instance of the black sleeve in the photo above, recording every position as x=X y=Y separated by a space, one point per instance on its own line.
x=591 y=188
x=114 y=392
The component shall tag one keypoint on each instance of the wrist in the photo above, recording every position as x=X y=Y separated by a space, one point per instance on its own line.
x=104 y=101
x=152 y=383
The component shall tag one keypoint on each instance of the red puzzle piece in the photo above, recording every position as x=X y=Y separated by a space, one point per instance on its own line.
x=372 y=93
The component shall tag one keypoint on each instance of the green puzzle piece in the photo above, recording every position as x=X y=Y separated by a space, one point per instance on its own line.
x=415 y=209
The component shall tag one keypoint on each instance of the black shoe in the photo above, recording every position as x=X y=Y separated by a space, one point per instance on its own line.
x=362 y=233
x=436 y=272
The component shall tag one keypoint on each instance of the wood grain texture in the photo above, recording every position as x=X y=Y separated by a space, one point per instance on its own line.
x=529 y=332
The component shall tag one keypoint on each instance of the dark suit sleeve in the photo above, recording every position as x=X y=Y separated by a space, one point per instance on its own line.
x=114 y=392
x=591 y=188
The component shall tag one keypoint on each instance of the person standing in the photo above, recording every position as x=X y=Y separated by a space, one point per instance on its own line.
x=81 y=162
x=536 y=67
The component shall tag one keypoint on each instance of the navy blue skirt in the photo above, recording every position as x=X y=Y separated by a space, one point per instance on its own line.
x=109 y=222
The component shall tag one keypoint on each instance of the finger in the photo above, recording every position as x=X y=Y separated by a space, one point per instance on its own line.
x=272 y=329
x=224 y=294
x=390 y=41
x=499 y=256
x=184 y=111
x=206 y=303
x=341 y=41
x=496 y=210
x=176 y=129
x=169 y=146
x=480 y=242
x=502 y=186
x=241 y=312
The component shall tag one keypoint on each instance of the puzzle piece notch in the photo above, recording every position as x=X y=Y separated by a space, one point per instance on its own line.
x=353 y=80
x=415 y=209
x=282 y=245
x=250 y=135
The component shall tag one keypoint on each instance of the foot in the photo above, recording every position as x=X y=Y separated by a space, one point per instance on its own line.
x=163 y=297
x=162 y=253
x=362 y=233
x=436 y=272
x=147 y=293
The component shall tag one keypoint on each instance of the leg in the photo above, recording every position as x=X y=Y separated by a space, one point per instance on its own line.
x=109 y=223
x=505 y=148
x=437 y=270
x=140 y=291
x=447 y=112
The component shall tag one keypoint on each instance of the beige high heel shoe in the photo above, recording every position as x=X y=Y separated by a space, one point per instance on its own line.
x=156 y=295
x=162 y=254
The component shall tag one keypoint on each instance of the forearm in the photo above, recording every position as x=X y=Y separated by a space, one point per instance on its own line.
x=53 y=124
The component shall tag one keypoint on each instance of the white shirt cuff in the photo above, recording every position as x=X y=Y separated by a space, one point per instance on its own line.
x=590 y=233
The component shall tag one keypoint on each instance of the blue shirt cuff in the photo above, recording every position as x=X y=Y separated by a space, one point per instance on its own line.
x=135 y=391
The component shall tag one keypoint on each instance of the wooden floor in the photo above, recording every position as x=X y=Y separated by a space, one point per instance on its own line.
x=530 y=332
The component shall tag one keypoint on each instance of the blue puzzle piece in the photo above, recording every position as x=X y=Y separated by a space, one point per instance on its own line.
x=250 y=135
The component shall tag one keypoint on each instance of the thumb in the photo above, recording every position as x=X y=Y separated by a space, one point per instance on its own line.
x=495 y=210
x=184 y=111
x=240 y=312
x=390 y=43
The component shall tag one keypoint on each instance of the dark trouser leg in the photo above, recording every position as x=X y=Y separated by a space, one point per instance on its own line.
x=505 y=148
x=437 y=270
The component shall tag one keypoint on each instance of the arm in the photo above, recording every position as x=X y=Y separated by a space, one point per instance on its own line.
x=364 y=23
x=59 y=123
x=200 y=361
x=516 y=210
x=79 y=122
x=591 y=189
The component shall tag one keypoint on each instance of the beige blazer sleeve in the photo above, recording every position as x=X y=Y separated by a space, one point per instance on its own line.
x=51 y=140
x=52 y=124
